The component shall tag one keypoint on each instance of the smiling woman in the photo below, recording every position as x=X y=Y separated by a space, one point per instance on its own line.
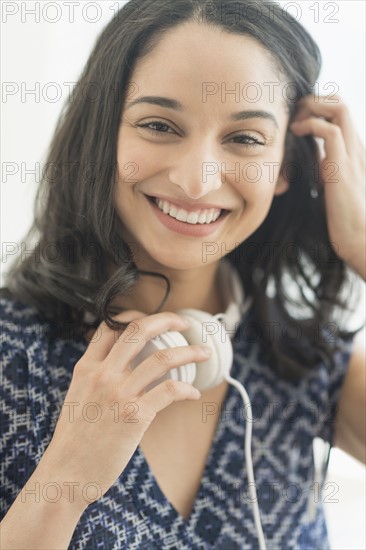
x=194 y=155
x=201 y=185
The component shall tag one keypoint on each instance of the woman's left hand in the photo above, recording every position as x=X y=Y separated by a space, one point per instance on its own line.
x=342 y=174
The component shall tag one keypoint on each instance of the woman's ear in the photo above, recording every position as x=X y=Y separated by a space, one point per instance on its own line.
x=283 y=183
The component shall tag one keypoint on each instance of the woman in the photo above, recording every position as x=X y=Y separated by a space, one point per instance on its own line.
x=204 y=110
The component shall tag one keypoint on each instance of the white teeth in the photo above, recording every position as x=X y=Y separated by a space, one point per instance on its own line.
x=193 y=217
x=166 y=207
x=210 y=216
x=201 y=217
x=182 y=215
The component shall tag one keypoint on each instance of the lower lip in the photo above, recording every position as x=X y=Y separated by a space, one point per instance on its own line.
x=197 y=230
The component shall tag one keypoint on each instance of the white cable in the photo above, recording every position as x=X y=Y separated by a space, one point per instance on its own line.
x=232 y=316
x=248 y=459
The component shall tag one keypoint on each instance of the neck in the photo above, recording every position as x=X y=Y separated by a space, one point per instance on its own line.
x=197 y=288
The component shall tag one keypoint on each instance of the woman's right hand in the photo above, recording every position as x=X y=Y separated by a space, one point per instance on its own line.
x=106 y=409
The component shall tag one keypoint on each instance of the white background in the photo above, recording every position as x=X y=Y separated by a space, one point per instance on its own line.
x=41 y=51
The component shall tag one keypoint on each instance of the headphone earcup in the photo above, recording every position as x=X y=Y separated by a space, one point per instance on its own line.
x=204 y=329
x=211 y=372
x=170 y=339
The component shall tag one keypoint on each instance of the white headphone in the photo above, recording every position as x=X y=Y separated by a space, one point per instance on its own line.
x=209 y=373
x=205 y=328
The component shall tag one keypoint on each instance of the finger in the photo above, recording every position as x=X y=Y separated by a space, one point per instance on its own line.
x=129 y=315
x=336 y=112
x=159 y=363
x=140 y=331
x=102 y=339
x=163 y=395
x=334 y=145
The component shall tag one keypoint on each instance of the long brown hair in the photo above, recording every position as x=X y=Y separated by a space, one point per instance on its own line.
x=77 y=229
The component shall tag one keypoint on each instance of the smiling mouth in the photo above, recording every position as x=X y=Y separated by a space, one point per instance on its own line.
x=201 y=217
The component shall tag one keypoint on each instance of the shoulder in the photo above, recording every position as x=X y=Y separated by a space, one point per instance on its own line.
x=31 y=349
x=19 y=325
x=14 y=317
x=16 y=314
x=26 y=332
x=350 y=434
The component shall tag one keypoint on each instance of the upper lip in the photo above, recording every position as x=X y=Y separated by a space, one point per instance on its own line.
x=189 y=207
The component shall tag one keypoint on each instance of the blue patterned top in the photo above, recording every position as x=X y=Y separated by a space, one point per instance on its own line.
x=36 y=372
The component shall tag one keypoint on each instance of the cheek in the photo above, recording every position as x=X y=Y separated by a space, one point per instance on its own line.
x=257 y=181
x=135 y=163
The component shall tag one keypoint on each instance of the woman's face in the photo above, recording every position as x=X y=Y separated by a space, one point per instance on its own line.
x=200 y=156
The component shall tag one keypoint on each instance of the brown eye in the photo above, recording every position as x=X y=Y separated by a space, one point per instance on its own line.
x=247 y=140
x=155 y=123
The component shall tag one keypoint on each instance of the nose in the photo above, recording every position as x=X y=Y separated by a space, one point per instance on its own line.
x=197 y=172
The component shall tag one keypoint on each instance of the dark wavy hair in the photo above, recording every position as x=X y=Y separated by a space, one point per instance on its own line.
x=74 y=211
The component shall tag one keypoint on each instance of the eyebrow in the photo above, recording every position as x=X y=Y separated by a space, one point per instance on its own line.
x=177 y=106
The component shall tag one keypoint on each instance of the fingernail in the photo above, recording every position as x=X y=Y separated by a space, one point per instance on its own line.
x=185 y=322
x=206 y=350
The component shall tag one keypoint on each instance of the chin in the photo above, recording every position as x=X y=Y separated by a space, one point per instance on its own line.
x=181 y=259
